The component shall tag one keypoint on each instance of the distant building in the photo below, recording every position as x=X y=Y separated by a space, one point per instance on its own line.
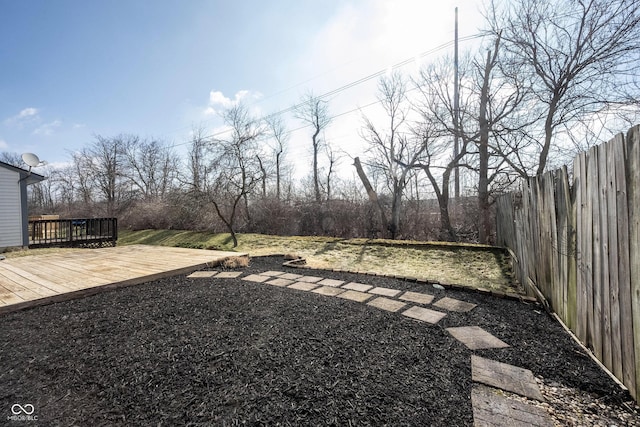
x=14 y=218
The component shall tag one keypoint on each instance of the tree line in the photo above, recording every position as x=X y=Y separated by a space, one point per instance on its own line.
x=551 y=78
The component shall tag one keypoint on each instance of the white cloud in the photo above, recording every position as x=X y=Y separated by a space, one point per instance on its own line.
x=218 y=101
x=27 y=115
x=3 y=144
x=47 y=128
x=28 y=112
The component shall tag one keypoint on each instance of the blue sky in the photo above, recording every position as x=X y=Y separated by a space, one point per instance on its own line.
x=73 y=69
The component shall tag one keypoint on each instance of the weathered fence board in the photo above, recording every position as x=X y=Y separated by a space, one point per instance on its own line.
x=579 y=187
x=633 y=188
x=612 y=223
x=605 y=316
x=577 y=243
x=593 y=278
x=624 y=270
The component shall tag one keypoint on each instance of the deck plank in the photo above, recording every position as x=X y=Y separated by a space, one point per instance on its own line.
x=43 y=279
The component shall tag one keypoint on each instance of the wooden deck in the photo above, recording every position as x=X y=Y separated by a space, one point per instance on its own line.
x=42 y=279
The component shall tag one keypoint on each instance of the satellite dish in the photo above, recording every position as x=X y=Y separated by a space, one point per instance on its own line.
x=31 y=159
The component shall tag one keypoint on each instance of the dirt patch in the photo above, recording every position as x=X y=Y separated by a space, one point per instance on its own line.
x=230 y=352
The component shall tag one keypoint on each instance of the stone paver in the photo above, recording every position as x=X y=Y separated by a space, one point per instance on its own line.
x=493 y=409
x=228 y=274
x=256 y=278
x=290 y=276
x=303 y=286
x=475 y=338
x=453 y=304
x=328 y=291
x=507 y=377
x=355 y=296
x=272 y=273
x=279 y=282
x=202 y=274
x=354 y=286
x=309 y=279
x=424 y=314
x=386 y=304
x=331 y=282
x=416 y=297
x=384 y=291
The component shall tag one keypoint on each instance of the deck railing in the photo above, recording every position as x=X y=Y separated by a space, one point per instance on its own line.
x=73 y=232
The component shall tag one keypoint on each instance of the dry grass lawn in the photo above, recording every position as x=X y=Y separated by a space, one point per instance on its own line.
x=467 y=265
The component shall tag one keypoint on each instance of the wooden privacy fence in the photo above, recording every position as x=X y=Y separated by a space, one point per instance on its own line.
x=576 y=241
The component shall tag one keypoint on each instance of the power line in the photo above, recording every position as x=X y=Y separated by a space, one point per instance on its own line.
x=344 y=88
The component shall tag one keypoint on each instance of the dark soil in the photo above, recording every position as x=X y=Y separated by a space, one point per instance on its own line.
x=183 y=351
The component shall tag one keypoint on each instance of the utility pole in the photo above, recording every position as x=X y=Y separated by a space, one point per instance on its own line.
x=456 y=109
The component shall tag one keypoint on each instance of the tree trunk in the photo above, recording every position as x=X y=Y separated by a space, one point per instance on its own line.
x=316 y=184
x=484 y=223
x=548 y=135
x=394 y=225
x=278 y=175
x=446 y=231
x=373 y=196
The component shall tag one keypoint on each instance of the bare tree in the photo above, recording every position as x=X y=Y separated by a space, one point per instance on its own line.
x=501 y=95
x=66 y=183
x=12 y=159
x=334 y=159
x=393 y=152
x=280 y=137
x=580 y=57
x=436 y=130
x=236 y=168
x=151 y=167
x=198 y=163
x=104 y=163
x=436 y=163
x=314 y=112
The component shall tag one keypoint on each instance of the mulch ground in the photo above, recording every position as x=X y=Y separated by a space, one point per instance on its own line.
x=184 y=351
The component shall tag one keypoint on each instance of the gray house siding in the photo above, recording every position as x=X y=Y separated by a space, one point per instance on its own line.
x=14 y=217
x=11 y=208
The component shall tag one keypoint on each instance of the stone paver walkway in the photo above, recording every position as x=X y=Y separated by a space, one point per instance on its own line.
x=355 y=296
x=309 y=279
x=424 y=314
x=452 y=304
x=202 y=274
x=228 y=275
x=331 y=282
x=384 y=291
x=272 y=273
x=490 y=406
x=416 y=297
x=256 y=278
x=386 y=304
x=475 y=338
x=506 y=377
x=357 y=287
x=279 y=282
x=492 y=409
x=303 y=286
x=328 y=291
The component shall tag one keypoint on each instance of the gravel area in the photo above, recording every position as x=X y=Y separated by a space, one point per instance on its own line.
x=182 y=351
